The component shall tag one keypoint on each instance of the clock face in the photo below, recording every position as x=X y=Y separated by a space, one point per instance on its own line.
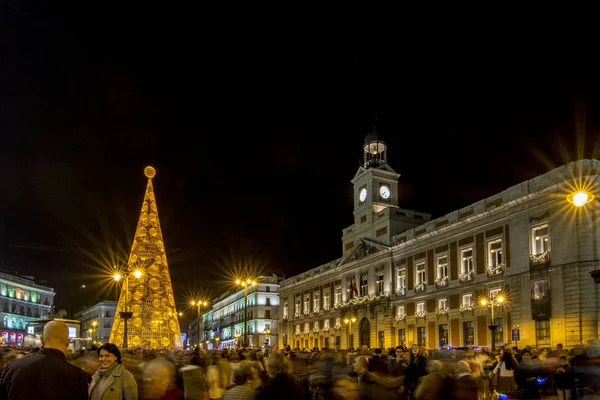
x=362 y=196
x=384 y=191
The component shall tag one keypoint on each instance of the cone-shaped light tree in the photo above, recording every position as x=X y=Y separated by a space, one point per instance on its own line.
x=146 y=314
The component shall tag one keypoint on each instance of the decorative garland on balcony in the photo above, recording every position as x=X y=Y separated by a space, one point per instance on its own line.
x=466 y=276
x=420 y=314
x=401 y=317
x=400 y=292
x=441 y=311
x=442 y=281
x=466 y=307
x=495 y=270
x=421 y=288
x=362 y=299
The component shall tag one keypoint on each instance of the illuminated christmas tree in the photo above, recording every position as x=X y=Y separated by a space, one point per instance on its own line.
x=146 y=308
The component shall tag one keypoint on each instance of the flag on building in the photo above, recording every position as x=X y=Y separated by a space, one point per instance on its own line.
x=353 y=289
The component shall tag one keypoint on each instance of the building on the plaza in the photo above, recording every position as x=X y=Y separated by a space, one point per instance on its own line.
x=405 y=278
x=146 y=312
x=97 y=321
x=22 y=299
x=222 y=325
x=35 y=330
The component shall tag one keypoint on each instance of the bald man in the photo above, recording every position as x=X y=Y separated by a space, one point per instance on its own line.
x=47 y=374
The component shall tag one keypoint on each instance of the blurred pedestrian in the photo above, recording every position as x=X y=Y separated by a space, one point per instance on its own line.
x=46 y=375
x=112 y=381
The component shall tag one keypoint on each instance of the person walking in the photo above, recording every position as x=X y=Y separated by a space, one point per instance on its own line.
x=46 y=375
x=112 y=381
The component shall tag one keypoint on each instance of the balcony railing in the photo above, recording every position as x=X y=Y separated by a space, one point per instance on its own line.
x=495 y=270
x=441 y=311
x=466 y=307
x=420 y=314
x=466 y=277
x=362 y=299
x=441 y=282
x=538 y=260
x=400 y=292
x=421 y=287
x=400 y=317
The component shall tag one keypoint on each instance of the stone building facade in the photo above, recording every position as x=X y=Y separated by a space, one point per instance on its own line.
x=404 y=278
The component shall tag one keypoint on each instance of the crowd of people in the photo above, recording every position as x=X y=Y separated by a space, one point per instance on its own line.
x=109 y=373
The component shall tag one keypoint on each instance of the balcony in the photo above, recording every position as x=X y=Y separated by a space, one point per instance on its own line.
x=362 y=299
x=420 y=314
x=466 y=277
x=495 y=270
x=441 y=282
x=400 y=292
x=539 y=260
x=441 y=311
x=421 y=287
x=466 y=307
x=400 y=317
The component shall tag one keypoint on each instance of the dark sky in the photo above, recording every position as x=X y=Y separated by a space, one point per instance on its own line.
x=255 y=128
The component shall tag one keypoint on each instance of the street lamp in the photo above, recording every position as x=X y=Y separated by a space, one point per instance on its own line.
x=199 y=304
x=580 y=199
x=94 y=323
x=349 y=321
x=237 y=338
x=125 y=315
x=267 y=332
x=217 y=339
x=245 y=284
x=492 y=303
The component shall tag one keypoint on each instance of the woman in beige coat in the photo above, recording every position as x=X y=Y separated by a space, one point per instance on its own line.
x=112 y=381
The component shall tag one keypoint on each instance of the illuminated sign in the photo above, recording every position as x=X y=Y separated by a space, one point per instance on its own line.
x=72 y=332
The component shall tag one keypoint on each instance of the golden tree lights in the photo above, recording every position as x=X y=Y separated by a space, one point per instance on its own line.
x=148 y=296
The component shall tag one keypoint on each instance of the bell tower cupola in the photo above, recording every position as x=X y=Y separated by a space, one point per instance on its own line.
x=374 y=151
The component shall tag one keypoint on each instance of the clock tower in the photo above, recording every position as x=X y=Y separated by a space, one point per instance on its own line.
x=377 y=215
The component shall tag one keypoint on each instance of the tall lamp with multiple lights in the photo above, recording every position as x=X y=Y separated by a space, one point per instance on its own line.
x=580 y=199
x=492 y=304
x=199 y=304
x=245 y=283
x=126 y=315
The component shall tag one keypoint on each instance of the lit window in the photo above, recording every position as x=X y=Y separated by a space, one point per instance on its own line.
x=401 y=278
x=420 y=273
x=285 y=311
x=316 y=326
x=466 y=264
x=467 y=299
x=420 y=307
x=380 y=284
x=326 y=324
x=326 y=300
x=306 y=303
x=338 y=295
x=495 y=253
x=442 y=267
x=540 y=240
x=338 y=321
x=400 y=311
x=298 y=329
x=306 y=328
x=443 y=304
x=494 y=293
x=316 y=303
x=297 y=308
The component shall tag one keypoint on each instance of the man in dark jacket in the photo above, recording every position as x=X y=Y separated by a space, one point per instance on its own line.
x=46 y=375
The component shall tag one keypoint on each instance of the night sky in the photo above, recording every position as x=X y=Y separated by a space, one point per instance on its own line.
x=255 y=131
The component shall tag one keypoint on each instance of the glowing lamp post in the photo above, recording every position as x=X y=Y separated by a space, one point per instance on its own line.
x=237 y=338
x=349 y=322
x=126 y=315
x=492 y=303
x=245 y=284
x=199 y=304
x=580 y=199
